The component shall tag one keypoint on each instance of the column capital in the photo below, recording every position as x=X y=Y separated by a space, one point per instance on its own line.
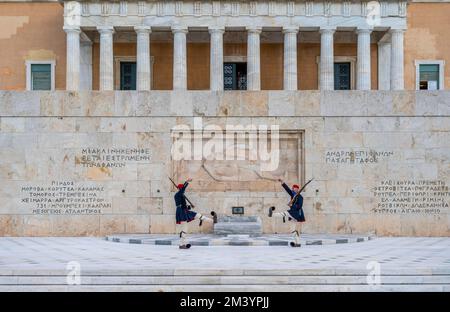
x=254 y=29
x=396 y=30
x=327 y=30
x=364 y=30
x=69 y=29
x=216 y=29
x=105 y=29
x=290 y=29
x=143 y=29
x=179 y=29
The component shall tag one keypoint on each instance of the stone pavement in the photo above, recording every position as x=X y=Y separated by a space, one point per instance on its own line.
x=237 y=240
x=406 y=264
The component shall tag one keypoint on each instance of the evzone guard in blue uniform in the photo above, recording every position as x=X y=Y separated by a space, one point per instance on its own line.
x=294 y=214
x=184 y=214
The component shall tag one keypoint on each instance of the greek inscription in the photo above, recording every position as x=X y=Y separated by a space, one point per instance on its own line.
x=356 y=157
x=410 y=196
x=112 y=157
x=64 y=198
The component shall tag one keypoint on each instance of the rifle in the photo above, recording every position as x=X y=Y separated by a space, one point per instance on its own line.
x=294 y=199
x=192 y=205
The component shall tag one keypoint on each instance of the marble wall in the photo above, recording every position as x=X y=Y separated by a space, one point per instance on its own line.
x=96 y=163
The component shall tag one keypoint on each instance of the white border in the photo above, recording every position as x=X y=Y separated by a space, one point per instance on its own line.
x=28 y=64
x=441 y=64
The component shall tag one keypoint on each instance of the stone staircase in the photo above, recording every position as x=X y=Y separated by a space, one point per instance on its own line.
x=238 y=225
x=226 y=280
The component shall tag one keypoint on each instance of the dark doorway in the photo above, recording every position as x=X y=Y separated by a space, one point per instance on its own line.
x=342 y=76
x=235 y=76
x=127 y=75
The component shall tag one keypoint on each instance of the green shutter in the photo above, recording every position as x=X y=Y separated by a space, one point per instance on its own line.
x=429 y=72
x=41 y=77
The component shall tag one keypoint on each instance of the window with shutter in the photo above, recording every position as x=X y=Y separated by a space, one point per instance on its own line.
x=41 y=77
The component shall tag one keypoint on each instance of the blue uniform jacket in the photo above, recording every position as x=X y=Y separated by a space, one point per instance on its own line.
x=296 y=210
x=183 y=214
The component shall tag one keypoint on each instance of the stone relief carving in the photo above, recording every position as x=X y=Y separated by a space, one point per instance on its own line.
x=141 y=8
x=384 y=8
x=363 y=8
x=214 y=173
x=216 y=8
x=272 y=8
x=106 y=8
x=123 y=8
x=346 y=8
x=309 y=8
x=85 y=9
x=161 y=9
x=233 y=8
x=402 y=8
x=327 y=8
x=252 y=8
x=290 y=8
x=197 y=8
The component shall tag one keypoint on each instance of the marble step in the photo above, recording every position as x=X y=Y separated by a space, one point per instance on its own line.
x=142 y=271
x=225 y=288
x=227 y=280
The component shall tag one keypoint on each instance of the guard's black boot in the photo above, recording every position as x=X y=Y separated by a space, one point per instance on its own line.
x=271 y=209
x=214 y=215
x=295 y=245
x=187 y=246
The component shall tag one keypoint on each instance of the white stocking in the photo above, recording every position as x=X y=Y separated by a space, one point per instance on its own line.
x=182 y=229
x=203 y=218
x=297 y=232
x=281 y=214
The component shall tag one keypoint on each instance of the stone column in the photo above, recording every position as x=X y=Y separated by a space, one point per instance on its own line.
x=326 y=59
x=143 y=74
x=179 y=58
x=290 y=58
x=384 y=65
x=397 y=82
x=216 y=59
x=363 y=81
x=253 y=58
x=106 y=58
x=72 y=58
x=85 y=65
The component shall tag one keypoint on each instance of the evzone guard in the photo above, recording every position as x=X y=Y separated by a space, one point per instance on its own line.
x=184 y=214
x=295 y=213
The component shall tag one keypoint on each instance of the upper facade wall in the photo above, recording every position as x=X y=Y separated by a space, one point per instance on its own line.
x=233 y=13
x=427 y=38
x=31 y=31
x=34 y=30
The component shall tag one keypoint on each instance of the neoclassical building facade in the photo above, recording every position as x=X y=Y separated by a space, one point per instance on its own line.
x=216 y=45
x=354 y=95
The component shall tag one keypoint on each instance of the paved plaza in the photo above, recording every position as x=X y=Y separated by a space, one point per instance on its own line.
x=45 y=264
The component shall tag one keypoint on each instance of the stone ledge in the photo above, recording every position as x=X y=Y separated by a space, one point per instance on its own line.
x=223 y=104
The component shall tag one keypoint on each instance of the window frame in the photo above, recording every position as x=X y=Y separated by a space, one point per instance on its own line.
x=52 y=64
x=341 y=59
x=440 y=63
x=117 y=73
